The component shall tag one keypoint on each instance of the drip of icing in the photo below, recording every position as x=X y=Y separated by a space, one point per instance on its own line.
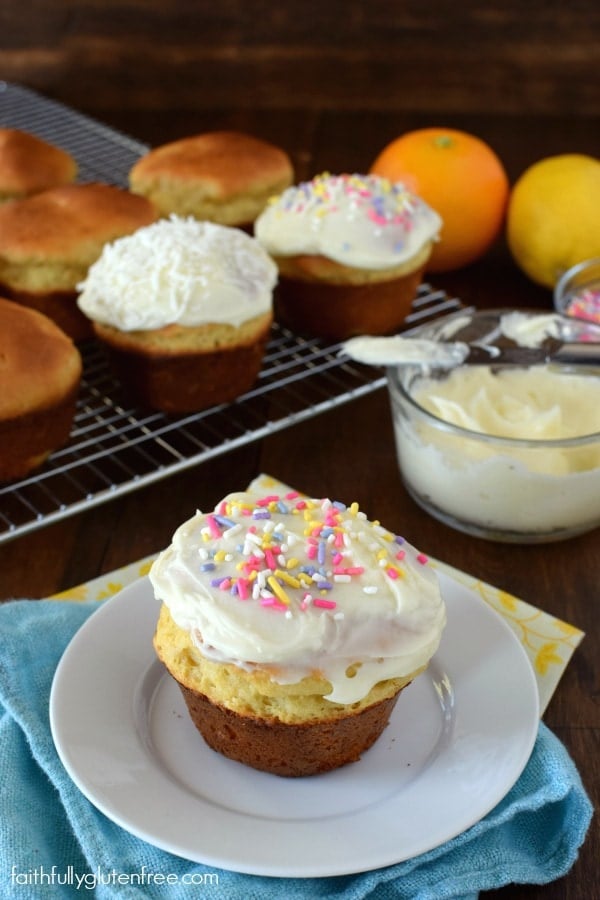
x=363 y=221
x=299 y=586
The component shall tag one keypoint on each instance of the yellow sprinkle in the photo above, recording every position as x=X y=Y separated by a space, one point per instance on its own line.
x=353 y=509
x=278 y=590
x=289 y=579
x=292 y=563
x=382 y=554
x=220 y=556
x=305 y=579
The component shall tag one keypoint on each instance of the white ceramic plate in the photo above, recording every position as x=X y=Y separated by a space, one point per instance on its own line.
x=458 y=740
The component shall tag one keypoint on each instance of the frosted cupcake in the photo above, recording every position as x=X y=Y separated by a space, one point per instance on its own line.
x=351 y=251
x=185 y=308
x=291 y=626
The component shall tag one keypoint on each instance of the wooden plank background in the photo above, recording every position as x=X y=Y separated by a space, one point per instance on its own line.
x=515 y=57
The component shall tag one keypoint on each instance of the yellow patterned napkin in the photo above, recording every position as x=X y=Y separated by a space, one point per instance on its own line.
x=548 y=642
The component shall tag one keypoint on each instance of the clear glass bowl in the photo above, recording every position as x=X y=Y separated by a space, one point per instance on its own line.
x=577 y=292
x=500 y=488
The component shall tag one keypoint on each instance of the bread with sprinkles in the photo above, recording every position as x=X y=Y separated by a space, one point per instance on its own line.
x=291 y=625
x=351 y=251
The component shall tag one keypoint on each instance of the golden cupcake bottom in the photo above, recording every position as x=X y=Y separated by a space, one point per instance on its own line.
x=318 y=297
x=284 y=729
x=181 y=370
x=27 y=440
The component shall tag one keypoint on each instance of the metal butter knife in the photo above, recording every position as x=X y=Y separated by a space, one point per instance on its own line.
x=401 y=351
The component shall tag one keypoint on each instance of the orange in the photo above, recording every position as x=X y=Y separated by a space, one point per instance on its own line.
x=462 y=178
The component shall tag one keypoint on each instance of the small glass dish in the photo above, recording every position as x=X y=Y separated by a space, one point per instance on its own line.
x=527 y=489
x=577 y=292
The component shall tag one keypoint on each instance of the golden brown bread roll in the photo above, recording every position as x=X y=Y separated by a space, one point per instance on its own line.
x=40 y=371
x=29 y=165
x=222 y=176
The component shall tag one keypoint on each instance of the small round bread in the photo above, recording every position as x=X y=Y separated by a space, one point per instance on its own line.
x=351 y=251
x=49 y=240
x=291 y=626
x=185 y=309
x=29 y=165
x=222 y=176
x=40 y=372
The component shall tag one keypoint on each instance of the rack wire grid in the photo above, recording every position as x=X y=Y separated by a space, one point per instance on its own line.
x=115 y=447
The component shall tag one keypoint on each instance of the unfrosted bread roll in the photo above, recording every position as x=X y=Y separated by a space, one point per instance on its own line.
x=291 y=625
x=29 y=165
x=49 y=240
x=185 y=309
x=222 y=176
x=40 y=371
x=351 y=251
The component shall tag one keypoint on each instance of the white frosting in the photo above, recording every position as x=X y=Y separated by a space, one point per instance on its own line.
x=331 y=590
x=179 y=271
x=363 y=221
x=530 y=331
x=530 y=404
x=398 y=351
x=506 y=486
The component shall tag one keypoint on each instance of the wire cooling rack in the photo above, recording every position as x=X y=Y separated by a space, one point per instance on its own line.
x=116 y=448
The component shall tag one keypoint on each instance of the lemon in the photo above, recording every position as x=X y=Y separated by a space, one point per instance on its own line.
x=553 y=217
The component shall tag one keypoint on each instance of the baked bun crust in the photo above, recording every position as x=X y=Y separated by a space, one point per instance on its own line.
x=222 y=176
x=179 y=369
x=321 y=297
x=49 y=240
x=29 y=165
x=285 y=729
x=40 y=372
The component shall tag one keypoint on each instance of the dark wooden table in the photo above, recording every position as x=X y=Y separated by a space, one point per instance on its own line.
x=348 y=453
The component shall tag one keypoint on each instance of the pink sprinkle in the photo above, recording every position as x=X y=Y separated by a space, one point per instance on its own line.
x=348 y=570
x=271 y=562
x=306 y=601
x=377 y=218
x=222 y=508
x=225 y=584
x=274 y=603
x=336 y=559
x=243 y=588
x=392 y=573
x=422 y=559
x=265 y=501
x=292 y=495
x=338 y=540
x=400 y=554
x=311 y=551
x=301 y=504
x=214 y=528
x=324 y=604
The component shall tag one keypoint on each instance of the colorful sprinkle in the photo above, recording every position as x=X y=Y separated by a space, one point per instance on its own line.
x=259 y=566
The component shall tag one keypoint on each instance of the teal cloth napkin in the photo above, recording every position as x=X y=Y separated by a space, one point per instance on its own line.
x=54 y=843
